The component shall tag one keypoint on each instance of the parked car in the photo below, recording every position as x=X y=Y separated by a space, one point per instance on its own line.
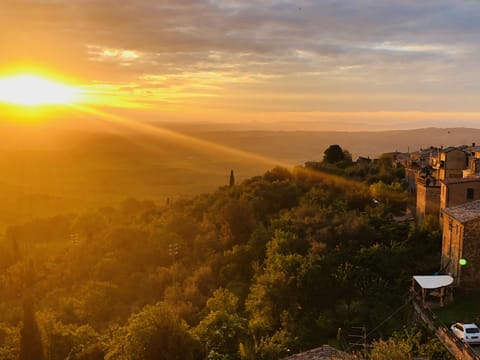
x=467 y=332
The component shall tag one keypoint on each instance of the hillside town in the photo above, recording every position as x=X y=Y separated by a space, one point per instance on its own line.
x=446 y=182
x=445 y=185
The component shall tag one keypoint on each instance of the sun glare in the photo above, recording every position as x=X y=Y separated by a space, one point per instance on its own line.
x=30 y=90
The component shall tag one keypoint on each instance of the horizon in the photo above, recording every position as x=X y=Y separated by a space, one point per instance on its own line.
x=200 y=126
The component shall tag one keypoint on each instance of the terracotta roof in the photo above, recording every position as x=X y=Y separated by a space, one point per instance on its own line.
x=325 y=352
x=452 y=148
x=464 y=213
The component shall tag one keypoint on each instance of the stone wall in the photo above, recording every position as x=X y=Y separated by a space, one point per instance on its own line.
x=428 y=201
x=454 y=162
x=411 y=175
x=452 y=246
x=470 y=273
x=456 y=193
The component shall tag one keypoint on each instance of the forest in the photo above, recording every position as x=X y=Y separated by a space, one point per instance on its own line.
x=260 y=269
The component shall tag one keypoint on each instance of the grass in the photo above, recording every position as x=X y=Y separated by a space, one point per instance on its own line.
x=465 y=308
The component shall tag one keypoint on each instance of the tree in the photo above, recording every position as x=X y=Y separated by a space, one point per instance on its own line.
x=61 y=341
x=89 y=224
x=232 y=178
x=223 y=329
x=392 y=195
x=410 y=343
x=278 y=173
x=9 y=342
x=333 y=154
x=274 y=293
x=31 y=347
x=238 y=220
x=391 y=349
x=155 y=333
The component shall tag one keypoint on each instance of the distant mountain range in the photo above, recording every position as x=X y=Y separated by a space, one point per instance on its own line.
x=299 y=146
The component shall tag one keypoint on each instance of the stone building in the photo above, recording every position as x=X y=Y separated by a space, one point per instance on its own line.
x=428 y=197
x=428 y=156
x=451 y=163
x=454 y=192
x=461 y=241
x=412 y=173
x=473 y=170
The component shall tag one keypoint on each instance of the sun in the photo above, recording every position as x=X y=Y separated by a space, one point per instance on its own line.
x=32 y=90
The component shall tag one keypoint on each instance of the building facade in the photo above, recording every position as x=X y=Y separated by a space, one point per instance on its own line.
x=454 y=192
x=461 y=243
x=451 y=163
x=428 y=198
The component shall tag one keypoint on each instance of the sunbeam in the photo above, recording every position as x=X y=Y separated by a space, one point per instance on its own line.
x=185 y=140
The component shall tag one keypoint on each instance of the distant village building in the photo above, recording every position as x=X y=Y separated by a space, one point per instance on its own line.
x=398 y=158
x=473 y=170
x=419 y=165
x=412 y=174
x=415 y=156
x=451 y=163
x=428 y=156
x=461 y=243
x=401 y=159
x=454 y=192
x=475 y=151
x=428 y=197
x=363 y=160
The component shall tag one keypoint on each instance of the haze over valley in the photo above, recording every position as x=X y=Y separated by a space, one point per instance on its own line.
x=63 y=169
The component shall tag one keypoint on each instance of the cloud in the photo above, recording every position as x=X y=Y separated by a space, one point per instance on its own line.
x=310 y=46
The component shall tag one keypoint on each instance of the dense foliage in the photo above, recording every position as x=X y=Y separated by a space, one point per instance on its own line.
x=256 y=270
x=339 y=162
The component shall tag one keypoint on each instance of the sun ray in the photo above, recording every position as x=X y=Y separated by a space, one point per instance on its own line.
x=204 y=145
x=190 y=141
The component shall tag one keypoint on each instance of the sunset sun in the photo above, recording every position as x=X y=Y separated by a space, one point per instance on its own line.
x=31 y=90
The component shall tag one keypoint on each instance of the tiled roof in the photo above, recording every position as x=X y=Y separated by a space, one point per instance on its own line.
x=452 y=148
x=324 y=352
x=466 y=212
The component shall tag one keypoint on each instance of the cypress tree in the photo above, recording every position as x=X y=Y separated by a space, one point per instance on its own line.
x=30 y=340
x=232 y=178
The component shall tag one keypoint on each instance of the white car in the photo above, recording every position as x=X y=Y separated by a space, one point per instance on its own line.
x=468 y=333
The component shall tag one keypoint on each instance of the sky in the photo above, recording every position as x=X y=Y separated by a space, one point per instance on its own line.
x=322 y=64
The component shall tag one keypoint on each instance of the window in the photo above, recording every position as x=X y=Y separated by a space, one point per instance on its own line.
x=470 y=193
